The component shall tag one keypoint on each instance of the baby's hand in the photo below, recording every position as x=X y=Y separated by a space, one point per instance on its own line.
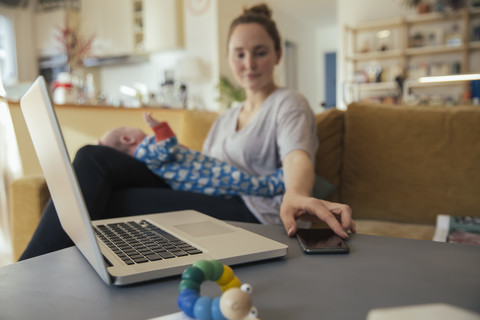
x=147 y=116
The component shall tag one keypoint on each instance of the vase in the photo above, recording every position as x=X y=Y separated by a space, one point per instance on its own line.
x=78 y=84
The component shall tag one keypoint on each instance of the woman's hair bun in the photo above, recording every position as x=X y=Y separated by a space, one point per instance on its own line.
x=261 y=9
x=262 y=15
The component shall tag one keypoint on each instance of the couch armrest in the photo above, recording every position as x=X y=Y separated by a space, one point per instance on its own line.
x=29 y=197
x=330 y=130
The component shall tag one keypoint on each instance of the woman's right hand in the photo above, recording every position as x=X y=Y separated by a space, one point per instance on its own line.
x=336 y=215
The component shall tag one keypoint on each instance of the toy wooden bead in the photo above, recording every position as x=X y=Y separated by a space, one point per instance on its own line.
x=234 y=283
x=186 y=301
x=226 y=277
x=217 y=270
x=235 y=304
x=216 y=312
x=194 y=274
x=189 y=284
x=206 y=267
x=203 y=308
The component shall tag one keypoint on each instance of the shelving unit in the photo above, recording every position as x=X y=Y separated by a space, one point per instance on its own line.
x=365 y=51
x=409 y=47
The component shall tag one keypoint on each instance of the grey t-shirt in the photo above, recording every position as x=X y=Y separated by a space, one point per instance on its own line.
x=284 y=123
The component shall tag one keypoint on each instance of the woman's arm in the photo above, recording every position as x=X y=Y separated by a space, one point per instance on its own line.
x=297 y=203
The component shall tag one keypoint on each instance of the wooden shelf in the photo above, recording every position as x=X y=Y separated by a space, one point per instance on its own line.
x=389 y=54
x=377 y=86
x=379 y=24
x=435 y=17
x=434 y=50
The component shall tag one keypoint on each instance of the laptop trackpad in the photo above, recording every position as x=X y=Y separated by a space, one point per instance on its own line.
x=203 y=229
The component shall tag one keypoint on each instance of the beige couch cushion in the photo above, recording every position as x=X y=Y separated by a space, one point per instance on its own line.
x=194 y=128
x=409 y=164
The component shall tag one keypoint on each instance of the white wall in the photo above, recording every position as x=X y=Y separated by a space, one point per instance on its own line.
x=302 y=34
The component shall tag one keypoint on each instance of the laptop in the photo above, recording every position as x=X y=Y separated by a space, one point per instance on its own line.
x=195 y=235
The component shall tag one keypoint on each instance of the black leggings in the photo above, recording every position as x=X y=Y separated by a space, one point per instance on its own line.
x=117 y=185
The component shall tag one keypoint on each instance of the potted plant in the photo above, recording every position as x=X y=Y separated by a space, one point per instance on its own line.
x=229 y=93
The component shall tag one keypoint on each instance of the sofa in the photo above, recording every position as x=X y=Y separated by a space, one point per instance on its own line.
x=398 y=167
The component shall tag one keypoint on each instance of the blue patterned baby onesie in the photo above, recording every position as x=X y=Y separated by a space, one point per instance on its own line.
x=190 y=170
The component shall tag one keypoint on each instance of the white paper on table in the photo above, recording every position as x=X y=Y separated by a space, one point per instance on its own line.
x=442 y=228
x=174 y=316
x=436 y=311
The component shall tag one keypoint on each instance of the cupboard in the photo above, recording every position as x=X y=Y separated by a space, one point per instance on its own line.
x=120 y=27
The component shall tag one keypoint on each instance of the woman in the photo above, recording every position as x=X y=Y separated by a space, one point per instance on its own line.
x=273 y=128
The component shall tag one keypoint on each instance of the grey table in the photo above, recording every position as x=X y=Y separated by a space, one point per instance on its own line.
x=378 y=272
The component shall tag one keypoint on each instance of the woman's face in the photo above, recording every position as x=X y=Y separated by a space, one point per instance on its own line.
x=252 y=56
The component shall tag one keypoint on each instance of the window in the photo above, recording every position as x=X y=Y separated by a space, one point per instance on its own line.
x=8 y=61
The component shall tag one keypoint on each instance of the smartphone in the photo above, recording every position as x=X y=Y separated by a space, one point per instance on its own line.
x=321 y=241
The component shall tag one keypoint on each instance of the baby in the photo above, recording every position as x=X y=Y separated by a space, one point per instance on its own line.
x=185 y=169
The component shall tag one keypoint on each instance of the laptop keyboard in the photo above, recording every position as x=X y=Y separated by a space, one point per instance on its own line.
x=140 y=242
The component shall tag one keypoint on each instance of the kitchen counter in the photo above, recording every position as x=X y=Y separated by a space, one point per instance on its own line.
x=85 y=124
